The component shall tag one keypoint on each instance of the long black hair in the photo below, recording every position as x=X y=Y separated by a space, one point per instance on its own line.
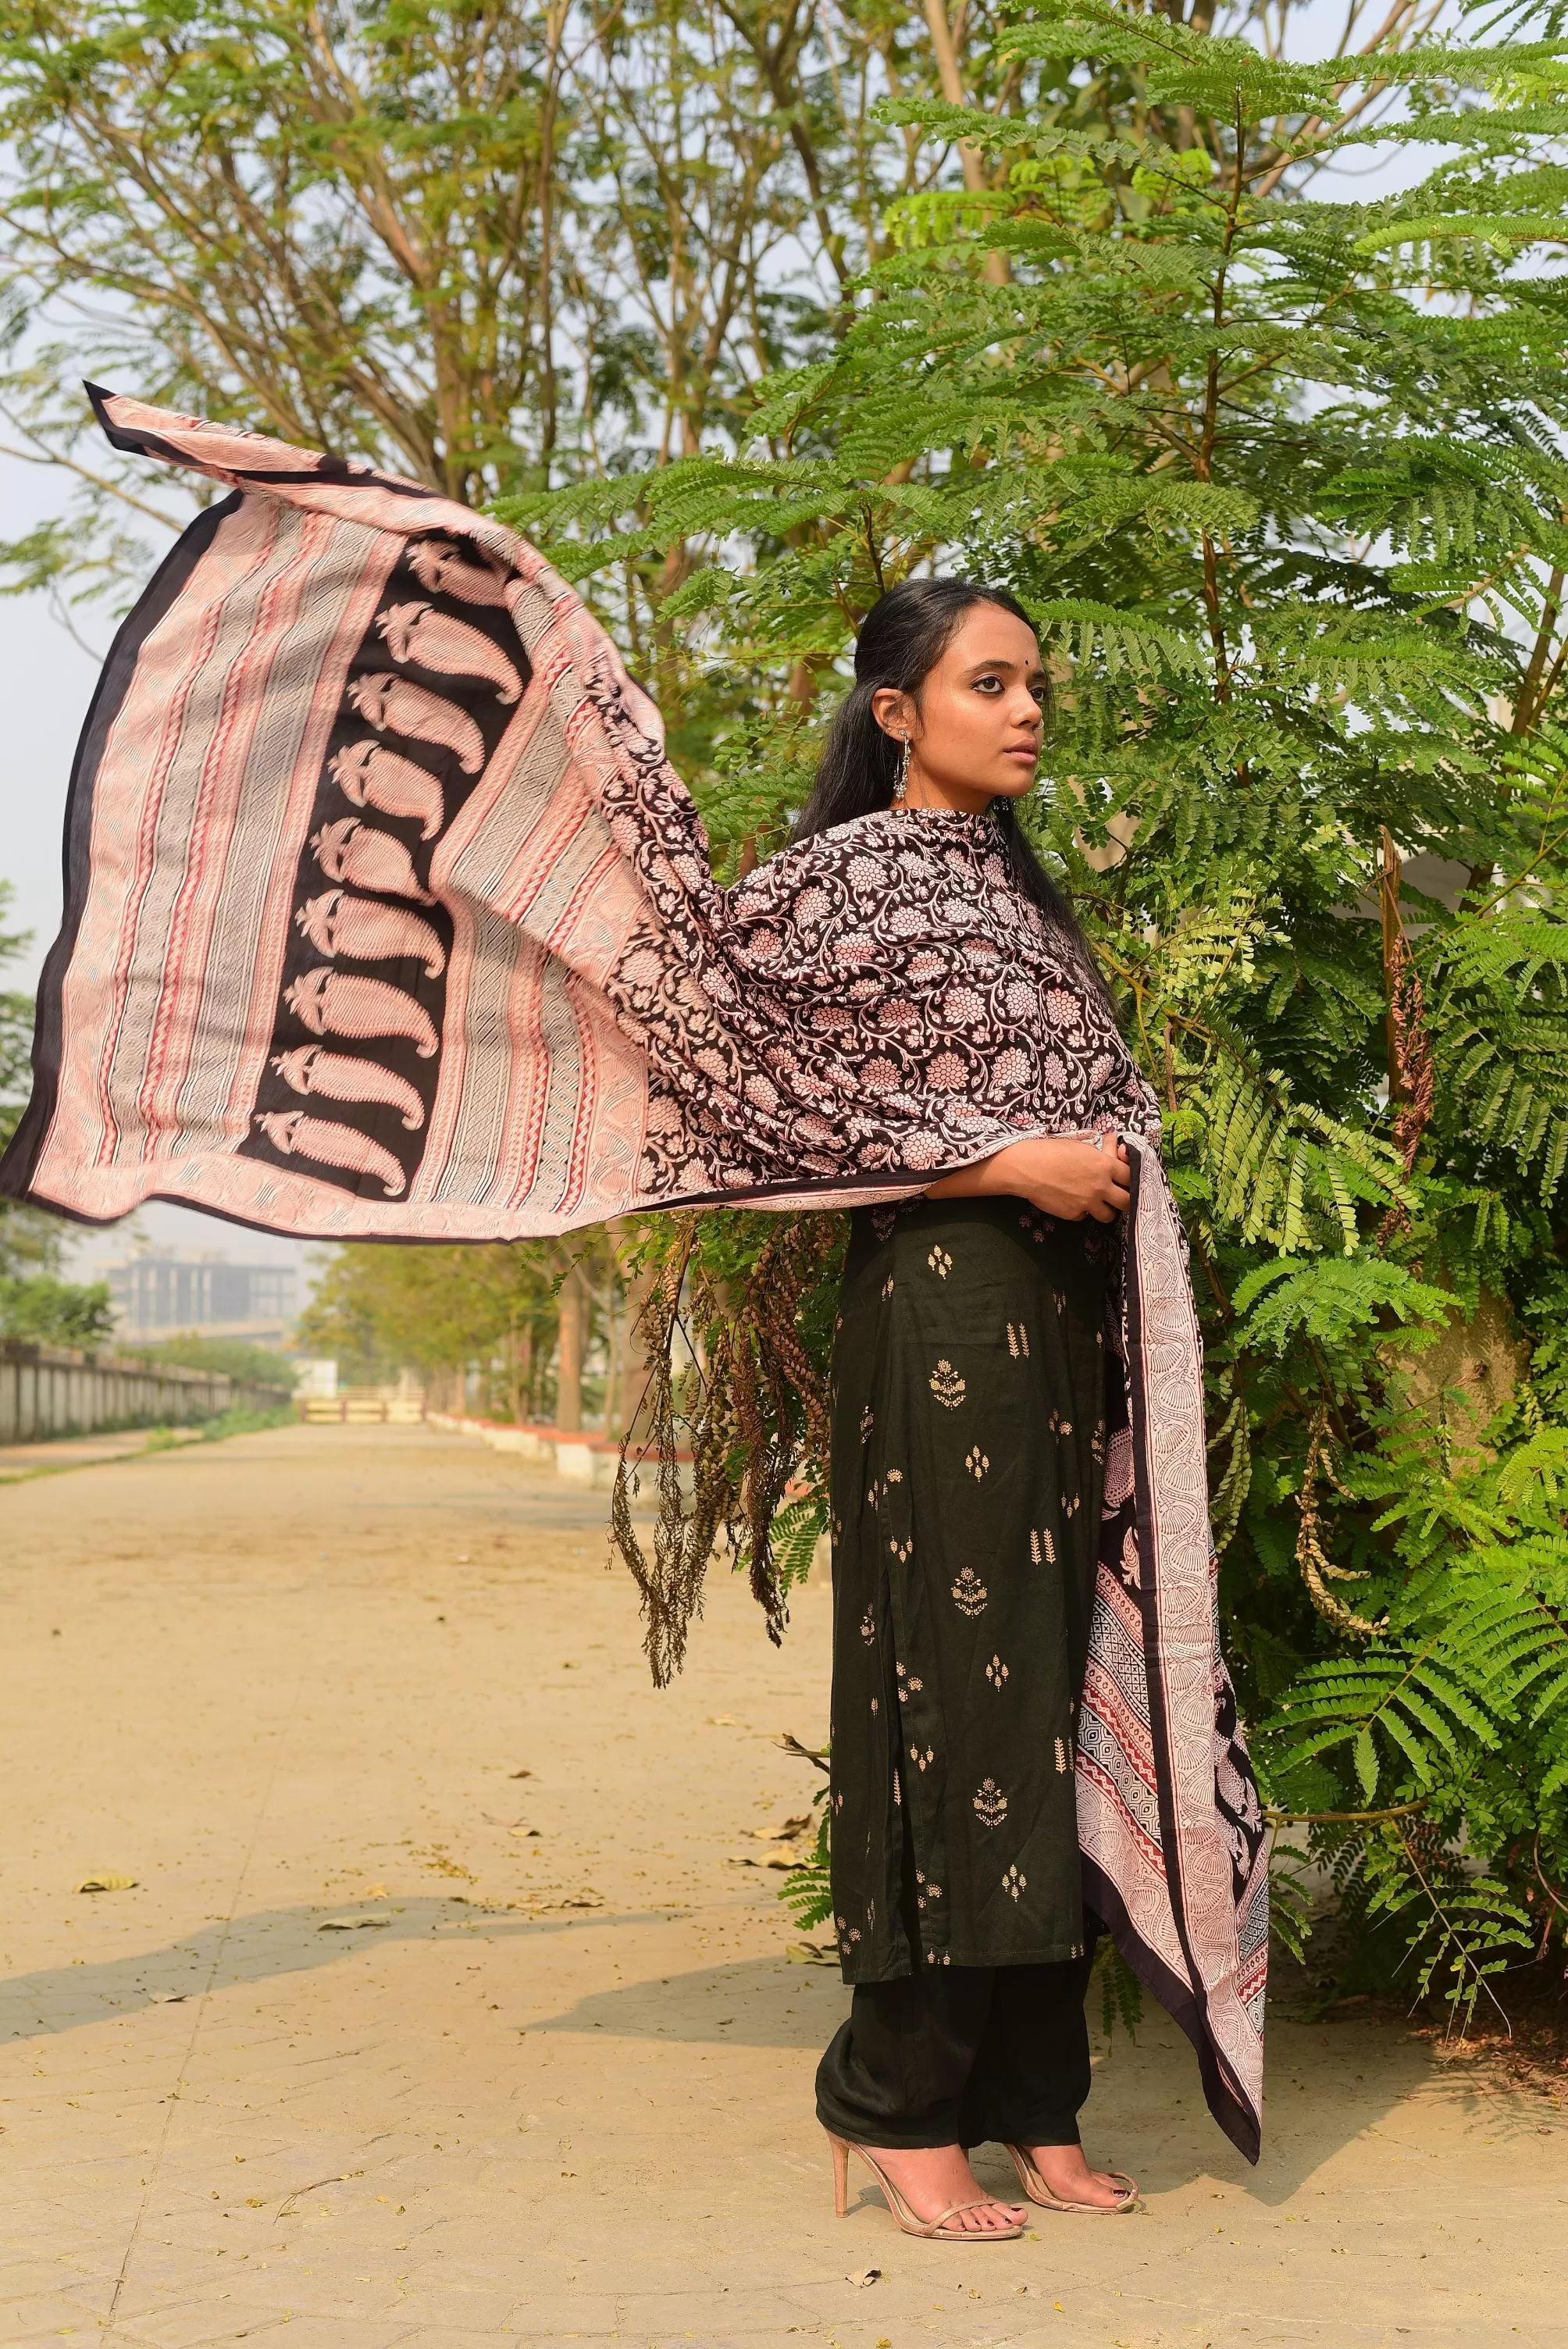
x=902 y=638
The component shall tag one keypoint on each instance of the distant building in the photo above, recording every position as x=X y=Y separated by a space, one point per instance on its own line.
x=157 y=1295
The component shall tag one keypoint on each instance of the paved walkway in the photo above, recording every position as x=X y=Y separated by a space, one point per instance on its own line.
x=446 y=2010
x=18 y=1460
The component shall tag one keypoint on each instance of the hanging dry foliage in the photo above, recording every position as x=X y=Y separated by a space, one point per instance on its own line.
x=1412 y=1071
x=1317 y=1569
x=734 y=1387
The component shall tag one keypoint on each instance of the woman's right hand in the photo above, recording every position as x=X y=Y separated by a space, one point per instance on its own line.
x=1060 y=1175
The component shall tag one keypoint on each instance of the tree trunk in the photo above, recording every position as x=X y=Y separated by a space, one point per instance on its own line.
x=520 y=1372
x=998 y=269
x=574 y=1345
x=624 y=1395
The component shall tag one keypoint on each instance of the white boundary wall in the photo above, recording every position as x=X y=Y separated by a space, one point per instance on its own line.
x=55 y=1391
x=588 y=1460
x=584 y=1459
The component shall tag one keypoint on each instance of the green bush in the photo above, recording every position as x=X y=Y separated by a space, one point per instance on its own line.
x=227 y=1358
x=1281 y=480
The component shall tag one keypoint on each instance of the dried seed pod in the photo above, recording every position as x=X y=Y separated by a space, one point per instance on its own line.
x=357 y=853
x=346 y=1003
x=371 y=775
x=418 y=632
x=312 y=1068
x=437 y=564
x=298 y=1136
x=365 y=931
x=396 y=705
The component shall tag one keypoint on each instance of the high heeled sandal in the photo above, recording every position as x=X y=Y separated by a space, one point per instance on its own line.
x=1035 y=2187
x=932 y=2231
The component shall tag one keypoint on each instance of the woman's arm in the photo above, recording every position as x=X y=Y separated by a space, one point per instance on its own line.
x=1062 y=1177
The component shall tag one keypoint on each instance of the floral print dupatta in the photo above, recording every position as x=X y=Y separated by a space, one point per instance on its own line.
x=388 y=917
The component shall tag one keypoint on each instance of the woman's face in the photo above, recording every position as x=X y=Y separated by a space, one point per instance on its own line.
x=975 y=732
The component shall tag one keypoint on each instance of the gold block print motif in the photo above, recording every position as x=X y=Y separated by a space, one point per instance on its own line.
x=969 y=1593
x=990 y=1804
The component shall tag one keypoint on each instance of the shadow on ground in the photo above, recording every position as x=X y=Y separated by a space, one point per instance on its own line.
x=1330 y=2083
x=258 y=1948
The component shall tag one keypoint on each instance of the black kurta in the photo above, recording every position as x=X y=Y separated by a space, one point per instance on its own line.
x=968 y=1444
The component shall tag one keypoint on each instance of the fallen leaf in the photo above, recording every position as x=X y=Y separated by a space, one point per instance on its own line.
x=866 y=2275
x=169 y=1997
x=349 y=1924
x=106 y=1881
x=523 y=1774
x=811 y=1953
x=721 y=1721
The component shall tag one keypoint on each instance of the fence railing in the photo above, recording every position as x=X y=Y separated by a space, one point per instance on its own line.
x=363 y=1407
x=56 y=1391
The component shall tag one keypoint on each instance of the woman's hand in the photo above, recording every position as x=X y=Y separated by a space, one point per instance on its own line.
x=1060 y=1176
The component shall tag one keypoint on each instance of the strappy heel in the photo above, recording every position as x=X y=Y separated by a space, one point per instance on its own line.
x=932 y=2231
x=1035 y=2187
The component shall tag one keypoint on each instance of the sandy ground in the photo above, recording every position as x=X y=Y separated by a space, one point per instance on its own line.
x=559 y=2089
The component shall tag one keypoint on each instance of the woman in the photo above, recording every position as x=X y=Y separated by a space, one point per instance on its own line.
x=969 y=1440
x=388 y=917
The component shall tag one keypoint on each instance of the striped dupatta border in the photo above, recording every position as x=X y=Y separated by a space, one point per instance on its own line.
x=1171 y=1826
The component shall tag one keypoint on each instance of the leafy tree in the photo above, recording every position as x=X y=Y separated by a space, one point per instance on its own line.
x=1281 y=477
x=15 y=1028
x=482 y=246
x=227 y=1358
x=524 y=1317
x=36 y=1302
x=435 y=1309
x=42 y=1309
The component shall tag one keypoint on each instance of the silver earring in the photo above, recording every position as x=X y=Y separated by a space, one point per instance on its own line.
x=901 y=779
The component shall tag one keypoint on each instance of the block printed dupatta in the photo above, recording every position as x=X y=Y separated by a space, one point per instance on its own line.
x=388 y=919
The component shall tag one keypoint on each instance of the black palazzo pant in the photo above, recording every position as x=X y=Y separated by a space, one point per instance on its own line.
x=968 y=1444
